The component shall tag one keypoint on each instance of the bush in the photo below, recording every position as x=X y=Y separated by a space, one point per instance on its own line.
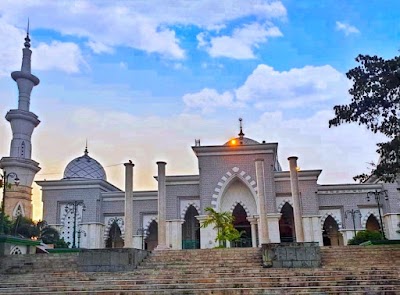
x=364 y=236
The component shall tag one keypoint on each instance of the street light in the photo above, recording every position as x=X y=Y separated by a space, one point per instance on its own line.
x=142 y=232
x=73 y=207
x=80 y=232
x=353 y=213
x=377 y=195
x=5 y=183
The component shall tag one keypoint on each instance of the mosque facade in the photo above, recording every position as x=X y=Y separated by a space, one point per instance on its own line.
x=241 y=176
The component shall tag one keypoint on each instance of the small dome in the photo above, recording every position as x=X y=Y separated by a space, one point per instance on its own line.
x=244 y=141
x=84 y=167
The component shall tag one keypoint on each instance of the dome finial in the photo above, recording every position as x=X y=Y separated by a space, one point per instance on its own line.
x=86 y=149
x=27 y=43
x=241 y=134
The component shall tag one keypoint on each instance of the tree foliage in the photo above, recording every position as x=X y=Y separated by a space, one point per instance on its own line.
x=364 y=236
x=375 y=103
x=27 y=228
x=223 y=223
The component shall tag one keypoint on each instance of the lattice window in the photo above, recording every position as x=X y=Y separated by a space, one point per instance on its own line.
x=23 y=149
x=16 y=251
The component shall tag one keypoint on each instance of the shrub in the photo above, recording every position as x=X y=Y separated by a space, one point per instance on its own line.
x=364 y=236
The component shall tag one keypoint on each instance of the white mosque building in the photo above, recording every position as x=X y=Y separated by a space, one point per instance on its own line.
x=242 y=176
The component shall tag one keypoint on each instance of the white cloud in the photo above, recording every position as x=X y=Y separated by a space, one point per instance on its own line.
x=209 y=99
x=144 y=25
x=342 y=152
x=99 y=47
x=63 y=56
x=266 y=88
x=346 y=28
x=242 y=42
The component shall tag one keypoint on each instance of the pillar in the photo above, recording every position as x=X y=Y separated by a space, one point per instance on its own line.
x=162 y=208
x=294 y=183
x=128 y=237
x=273 y=227
x=207 y=234
x=253 y=223
x=263 y=224
x=174 y=237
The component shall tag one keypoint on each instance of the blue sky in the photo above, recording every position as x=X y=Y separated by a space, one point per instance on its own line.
x=142 y=79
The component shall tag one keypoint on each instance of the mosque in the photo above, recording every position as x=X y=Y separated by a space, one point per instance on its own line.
x=242 y=176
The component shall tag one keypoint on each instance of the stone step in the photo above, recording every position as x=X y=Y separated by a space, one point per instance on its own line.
x=200 y=284
x=366 y=287
x=176 y=280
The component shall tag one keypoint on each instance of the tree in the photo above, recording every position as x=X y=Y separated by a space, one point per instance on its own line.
x=375 y=103
x=223 y=223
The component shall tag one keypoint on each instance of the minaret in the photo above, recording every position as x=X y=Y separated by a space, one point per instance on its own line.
x=19 y=198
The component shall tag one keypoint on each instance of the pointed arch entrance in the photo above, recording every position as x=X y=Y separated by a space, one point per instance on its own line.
x=330 y=233
x=287 y=230
x=191 y=229
x=114 y=237
x=372 y=224
x=243 y=226
x=151 y=240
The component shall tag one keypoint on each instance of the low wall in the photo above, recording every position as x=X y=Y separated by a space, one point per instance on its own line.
x=85 y=260
x=291 y=255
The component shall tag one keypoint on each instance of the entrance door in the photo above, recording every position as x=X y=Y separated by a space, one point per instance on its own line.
x=242 y=225
x=372 y=224
x=191 y=230
x=330 y=234
x=286 y=224
x=114 y=237
x=151 y=240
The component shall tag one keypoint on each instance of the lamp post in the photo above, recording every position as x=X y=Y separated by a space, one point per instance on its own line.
x=5 y=183
x=377 y=195
x=142 y=232
x=80 y=232
x=353 y=213
x=73 y=207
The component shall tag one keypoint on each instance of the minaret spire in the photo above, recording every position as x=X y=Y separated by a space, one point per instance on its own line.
x=241 y=134
x=27 y=43
x=86 y=149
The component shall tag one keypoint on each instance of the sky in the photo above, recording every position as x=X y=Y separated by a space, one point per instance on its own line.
x=141 y=80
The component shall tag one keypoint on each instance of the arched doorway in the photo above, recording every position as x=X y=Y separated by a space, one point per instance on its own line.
x=151 y=240
x=330 y=233
x=286 y=224
x=242 y=225
x=191 y=229
x=372 y=223
x=114 y=237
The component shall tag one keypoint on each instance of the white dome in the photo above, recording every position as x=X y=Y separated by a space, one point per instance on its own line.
x=84 y=167
x=244 y=141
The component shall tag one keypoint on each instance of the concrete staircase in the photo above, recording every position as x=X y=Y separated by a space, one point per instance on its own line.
x=346 y=270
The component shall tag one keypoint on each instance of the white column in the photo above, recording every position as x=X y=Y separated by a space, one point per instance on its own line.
x=263 y=224
x=162 y=208
x=128 y=236
x=253 y=222
x=391 y=221
x=273 y=227
x=175 y=233
x=207 y=234
x=294 y=182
